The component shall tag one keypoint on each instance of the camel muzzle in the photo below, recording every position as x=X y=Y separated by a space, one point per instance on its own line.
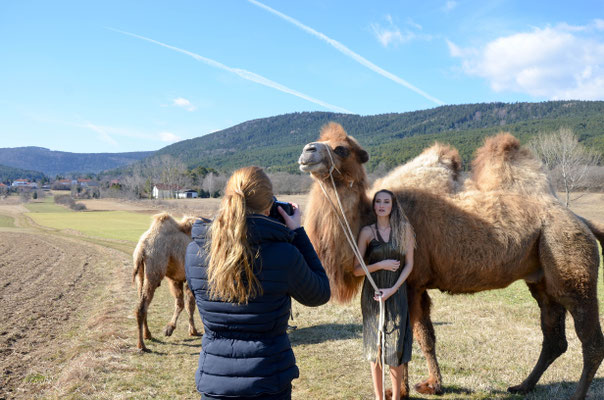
x=310 y=158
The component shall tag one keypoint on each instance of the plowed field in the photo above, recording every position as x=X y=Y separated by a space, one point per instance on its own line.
x=44 y=281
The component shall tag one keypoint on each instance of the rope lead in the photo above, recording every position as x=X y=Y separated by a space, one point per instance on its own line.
x=352 y=243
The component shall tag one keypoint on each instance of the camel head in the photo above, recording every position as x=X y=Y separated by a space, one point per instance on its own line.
x=186 y=224
x=334 y=146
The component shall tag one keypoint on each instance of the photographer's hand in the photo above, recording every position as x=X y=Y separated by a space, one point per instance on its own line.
x=292 y=221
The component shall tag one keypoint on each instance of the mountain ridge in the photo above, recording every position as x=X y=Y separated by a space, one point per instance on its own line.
x=54 y=162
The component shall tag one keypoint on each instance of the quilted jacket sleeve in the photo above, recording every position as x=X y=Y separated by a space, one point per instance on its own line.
x=307 y=281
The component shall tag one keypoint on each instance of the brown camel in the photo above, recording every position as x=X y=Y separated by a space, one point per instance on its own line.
x=502 y=224
x=160 y=253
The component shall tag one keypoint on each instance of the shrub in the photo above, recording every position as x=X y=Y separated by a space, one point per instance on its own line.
x=66 y=200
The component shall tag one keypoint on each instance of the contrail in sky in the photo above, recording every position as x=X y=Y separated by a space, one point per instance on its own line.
x=248 y=75
x=346 y=51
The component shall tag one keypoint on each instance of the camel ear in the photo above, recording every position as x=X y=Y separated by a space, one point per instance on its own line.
x=363 y=156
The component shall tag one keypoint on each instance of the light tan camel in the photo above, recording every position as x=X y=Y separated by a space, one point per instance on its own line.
x=502 y=224
x=160 y=253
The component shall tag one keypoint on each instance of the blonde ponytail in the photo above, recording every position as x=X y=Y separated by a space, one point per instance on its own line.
x=231 y=268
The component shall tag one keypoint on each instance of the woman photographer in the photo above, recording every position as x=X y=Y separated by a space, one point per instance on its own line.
x=243 y=269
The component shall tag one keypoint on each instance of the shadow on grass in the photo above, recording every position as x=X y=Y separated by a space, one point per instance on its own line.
x=189 y=342
x=324 y=333
x=554 y=390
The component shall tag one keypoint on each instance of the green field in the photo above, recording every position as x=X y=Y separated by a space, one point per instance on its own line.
x=120 y=225
x=46 y=205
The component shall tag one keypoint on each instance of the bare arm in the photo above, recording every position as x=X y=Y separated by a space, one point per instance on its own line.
x=364 y=239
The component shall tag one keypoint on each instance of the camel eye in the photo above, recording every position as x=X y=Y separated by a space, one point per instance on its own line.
x=342 y=151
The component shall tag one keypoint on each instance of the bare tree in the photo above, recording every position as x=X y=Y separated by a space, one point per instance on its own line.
x=568 y=161
x=213 y=183
x=286 y=183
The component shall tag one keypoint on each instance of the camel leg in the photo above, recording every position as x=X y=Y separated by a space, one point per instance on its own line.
x=146 y=295
x=423 y=331
x=179 y=304
x=146 y=333
x=587 y=326
x=190 y=307
x=554 y=336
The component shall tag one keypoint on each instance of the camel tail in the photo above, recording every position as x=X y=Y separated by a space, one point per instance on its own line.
x=598 y=231
x=139 y=264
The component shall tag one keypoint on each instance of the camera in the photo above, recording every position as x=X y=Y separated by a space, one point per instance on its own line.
x=287 y=207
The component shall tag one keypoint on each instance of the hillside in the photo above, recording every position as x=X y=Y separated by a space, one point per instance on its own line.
x=59 y=162
x=10 y=174
x=391 y=139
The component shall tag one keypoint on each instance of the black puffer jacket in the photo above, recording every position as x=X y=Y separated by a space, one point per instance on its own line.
x=245 y=348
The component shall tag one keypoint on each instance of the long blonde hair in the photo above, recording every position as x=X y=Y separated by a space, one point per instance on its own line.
x=230 y=271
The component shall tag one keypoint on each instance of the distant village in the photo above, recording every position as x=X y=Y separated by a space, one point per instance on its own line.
x=89 y=188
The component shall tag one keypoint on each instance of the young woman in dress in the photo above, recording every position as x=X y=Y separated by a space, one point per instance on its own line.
x=387 y=248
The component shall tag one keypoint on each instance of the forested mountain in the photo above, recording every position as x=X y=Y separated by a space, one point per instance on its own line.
x=391 y=139
x=276 y=142
x=59 y=162
x=10 y=174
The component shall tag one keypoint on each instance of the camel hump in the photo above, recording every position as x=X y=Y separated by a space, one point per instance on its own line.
x=447 y=155
x=502 y=146
x=332 y=131
x=501 y=162
x=162 y=217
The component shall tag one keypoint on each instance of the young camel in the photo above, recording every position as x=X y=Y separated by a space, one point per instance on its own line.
x=501 y=225
x=160 y=253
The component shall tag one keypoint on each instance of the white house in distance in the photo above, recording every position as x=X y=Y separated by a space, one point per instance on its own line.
x=24 y=183
x=187 y=194
x=164 y=191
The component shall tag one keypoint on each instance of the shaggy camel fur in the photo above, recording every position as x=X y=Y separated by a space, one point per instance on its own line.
x=502 y=224
x=160 y=253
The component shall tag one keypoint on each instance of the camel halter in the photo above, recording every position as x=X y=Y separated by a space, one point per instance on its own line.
x=341 y=216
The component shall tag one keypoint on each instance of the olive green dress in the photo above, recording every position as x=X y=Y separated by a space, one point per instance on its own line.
x=398 y=335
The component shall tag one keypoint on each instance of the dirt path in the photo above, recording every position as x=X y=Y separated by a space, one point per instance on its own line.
x=45 y=281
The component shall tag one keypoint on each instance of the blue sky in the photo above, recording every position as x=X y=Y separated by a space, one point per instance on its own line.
x=116 y=76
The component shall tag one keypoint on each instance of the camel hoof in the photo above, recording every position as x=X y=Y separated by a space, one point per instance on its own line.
x=518 y=389
x=194 y=333
x=143 y=349
x=169 y=329
x=404 y=395
x=147 y=336
x=427 y=387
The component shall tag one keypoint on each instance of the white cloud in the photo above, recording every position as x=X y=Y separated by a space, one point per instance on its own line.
x=562 y=62
x=390 y=35
x=183 y=103
x=449 y=5
x=169 y=137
